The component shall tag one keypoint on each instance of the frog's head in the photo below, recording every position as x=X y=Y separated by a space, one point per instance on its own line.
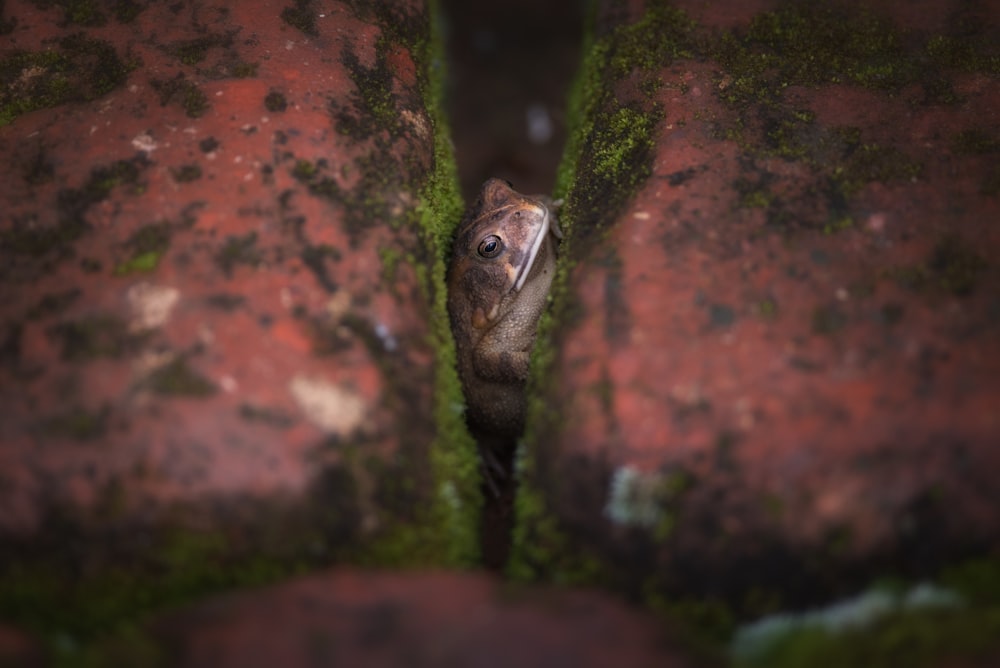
x=496 y=247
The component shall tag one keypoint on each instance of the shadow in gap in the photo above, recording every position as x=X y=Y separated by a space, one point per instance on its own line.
x=510 y=66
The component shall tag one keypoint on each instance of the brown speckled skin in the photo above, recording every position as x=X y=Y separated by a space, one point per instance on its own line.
x=494 y=324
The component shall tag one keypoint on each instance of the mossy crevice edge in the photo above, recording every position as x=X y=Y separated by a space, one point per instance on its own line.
x=545 y=550
x=442 y=531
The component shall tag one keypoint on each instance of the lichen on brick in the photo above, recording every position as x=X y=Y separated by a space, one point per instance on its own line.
x=80 y=69
x=184 y=93
x=301 y=16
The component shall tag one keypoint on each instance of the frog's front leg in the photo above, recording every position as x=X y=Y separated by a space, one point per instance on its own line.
x=494 y=362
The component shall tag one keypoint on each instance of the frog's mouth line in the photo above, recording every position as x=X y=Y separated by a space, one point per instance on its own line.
x=536 y=245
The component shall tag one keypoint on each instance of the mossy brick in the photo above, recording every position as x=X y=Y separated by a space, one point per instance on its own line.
x=774 y=298
x=227 y=382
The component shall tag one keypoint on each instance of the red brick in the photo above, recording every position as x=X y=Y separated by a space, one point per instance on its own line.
x=790 y=406
x=415 y=619
x=203 y=323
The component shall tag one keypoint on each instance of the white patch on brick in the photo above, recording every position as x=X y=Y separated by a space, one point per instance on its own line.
x=144 y=143
x=634 y=498
x=150 y=305
x=333 y=408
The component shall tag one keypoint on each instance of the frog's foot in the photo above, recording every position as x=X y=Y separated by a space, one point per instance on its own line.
x=495 y=473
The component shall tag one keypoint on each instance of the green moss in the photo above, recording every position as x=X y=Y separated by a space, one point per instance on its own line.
x=38 y=241
x=184 y=93
x=244 y=70
x=141 y=263
x=154 y=237
x=304 y=170
x=399 y=22
x=766 y=309
x=612 y=130
x=46 y=594
x=706 y=623
x=103 y=180
x=454 y=463
x=80 y=69
x=978 y=580
x=128 y=645
x=542 y=550
x=810 y=44
x=275 y=102
x=384 y=182
x=373 y=106
x=625 y=133
x=186 y=173
x=976 y=141
x=390 y=258
x=78 y=423
x=127 y=11
x=838 y=224
x=236 y=251
x=904 y=639
x=53 y=303
x=827 y=320
x=953 y=266
x=755 y=197
x=598 y=118
x=964 y=631
x=90 y=617
x=376 y=196
x=93 y=337
x=194 y=51
x=872 y=162
x=76 y=12
x=146 y=246
x=974 y=50
x=301 y=16
x=177 y=379
x=836 y=153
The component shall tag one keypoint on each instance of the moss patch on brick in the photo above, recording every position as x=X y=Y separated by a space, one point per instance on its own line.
x=810 y=45
x=79 y=69
x=77 y=423
x=965 y=631
x=184 y=93
x=613 y=123
x=302 y=16
x=425 y=501
x=94 y=336
x=178 y=379
x=84 y=618
x=238 y=250
x=91 y=13
x=952 y=266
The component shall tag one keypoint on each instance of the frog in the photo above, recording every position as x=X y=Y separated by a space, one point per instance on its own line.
x=501 y=269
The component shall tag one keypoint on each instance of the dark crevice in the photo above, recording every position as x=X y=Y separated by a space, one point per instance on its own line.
x=508 y=62
x=510 y=66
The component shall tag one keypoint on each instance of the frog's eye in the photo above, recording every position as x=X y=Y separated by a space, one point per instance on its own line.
x=490 y=247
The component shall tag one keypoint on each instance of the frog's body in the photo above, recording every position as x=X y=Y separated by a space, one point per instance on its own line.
x=502 y=266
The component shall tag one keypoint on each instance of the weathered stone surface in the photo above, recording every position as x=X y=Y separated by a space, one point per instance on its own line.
x=218 y=329
x=349 y=618
x=773 y=371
